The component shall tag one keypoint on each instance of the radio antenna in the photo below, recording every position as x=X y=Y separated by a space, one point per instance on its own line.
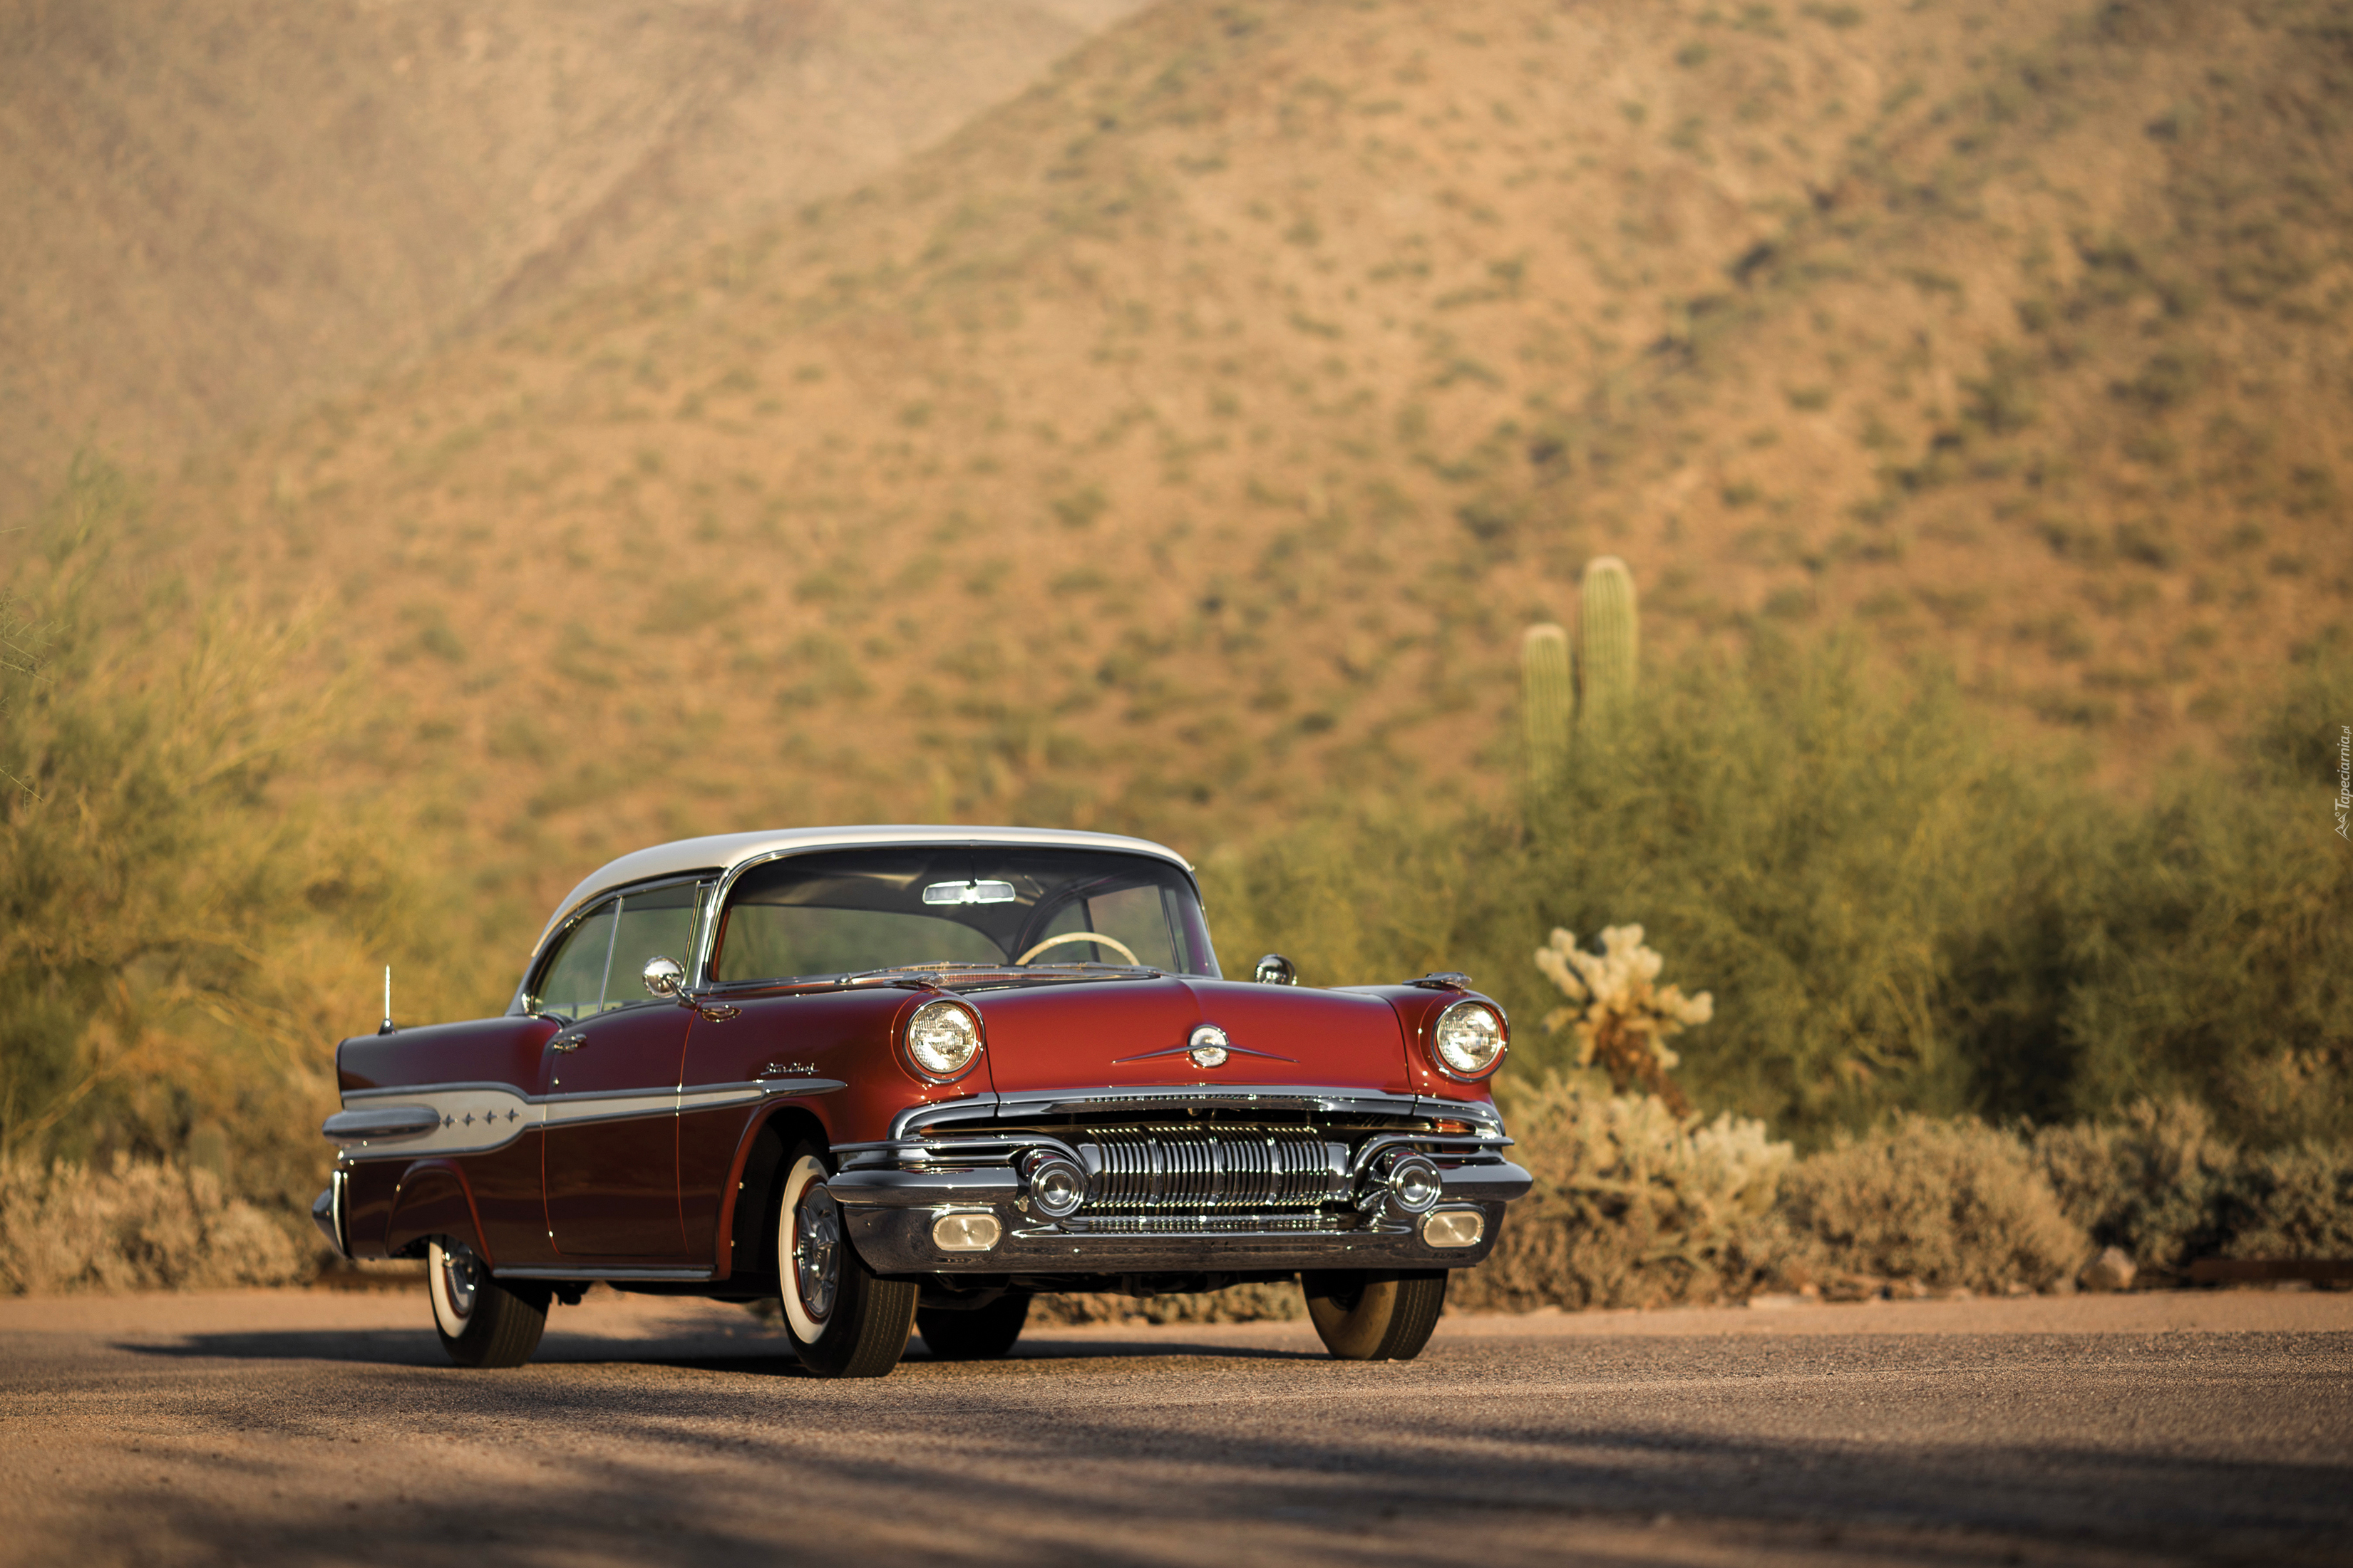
x=386 y=1029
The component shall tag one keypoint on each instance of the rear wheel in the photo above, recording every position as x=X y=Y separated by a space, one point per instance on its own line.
x=843 y=1321
x=984 y=1333
x=1365 y=1315
x=482 y=1320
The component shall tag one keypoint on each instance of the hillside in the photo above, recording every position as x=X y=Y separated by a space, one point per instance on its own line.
x=1185 y=444
x=218 y=213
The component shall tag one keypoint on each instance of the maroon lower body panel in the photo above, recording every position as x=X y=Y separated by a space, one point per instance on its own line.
x=506 y=1183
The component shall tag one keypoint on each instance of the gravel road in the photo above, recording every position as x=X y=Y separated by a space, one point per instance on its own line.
x=317 y=1427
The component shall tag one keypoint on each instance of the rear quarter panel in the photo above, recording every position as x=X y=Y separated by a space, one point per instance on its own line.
x=501 y=1186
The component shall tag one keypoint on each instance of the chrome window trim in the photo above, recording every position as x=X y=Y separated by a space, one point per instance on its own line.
x=705 y=911
x=726 y=852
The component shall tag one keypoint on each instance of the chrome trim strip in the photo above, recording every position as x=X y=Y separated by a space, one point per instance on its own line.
x=589 y=1271
x=1144 y=1097
x=1188 y=1048
x=917 y=1189
x=476 y=1118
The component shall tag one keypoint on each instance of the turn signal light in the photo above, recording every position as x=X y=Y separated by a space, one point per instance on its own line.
x=967 y=1232
x=1454 y=1228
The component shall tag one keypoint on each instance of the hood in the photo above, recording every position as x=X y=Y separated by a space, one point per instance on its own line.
x=1124 y=1033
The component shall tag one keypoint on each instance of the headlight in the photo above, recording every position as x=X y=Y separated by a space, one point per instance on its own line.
x=942 y=1039
x=1469 y=1040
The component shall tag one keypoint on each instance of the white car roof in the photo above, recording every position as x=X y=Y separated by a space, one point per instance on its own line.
x=724 y=852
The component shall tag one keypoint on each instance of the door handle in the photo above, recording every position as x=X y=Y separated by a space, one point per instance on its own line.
x=567 y=1042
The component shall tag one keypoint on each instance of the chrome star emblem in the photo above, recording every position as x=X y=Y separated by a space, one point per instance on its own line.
x=1208 y=1046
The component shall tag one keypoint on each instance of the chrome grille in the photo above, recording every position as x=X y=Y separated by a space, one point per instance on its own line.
x=1208 y=1171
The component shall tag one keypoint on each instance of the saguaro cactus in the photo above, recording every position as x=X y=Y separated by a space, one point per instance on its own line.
x=1547 y=699
x=1605 y=639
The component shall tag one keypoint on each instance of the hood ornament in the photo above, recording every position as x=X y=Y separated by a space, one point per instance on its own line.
x=1209 y=1048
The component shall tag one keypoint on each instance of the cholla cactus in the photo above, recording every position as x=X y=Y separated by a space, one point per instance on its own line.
x=1622 y=1017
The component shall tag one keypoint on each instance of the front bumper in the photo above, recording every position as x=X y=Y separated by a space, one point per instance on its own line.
x=1167 y=1192
x=895 y=1240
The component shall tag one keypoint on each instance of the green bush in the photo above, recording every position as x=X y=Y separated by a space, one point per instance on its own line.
x=183 y=930
x=2210 y=956
x=1895 y=909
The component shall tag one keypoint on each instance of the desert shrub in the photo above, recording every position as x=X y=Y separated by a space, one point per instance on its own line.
x=134 y=1224
x=2295 y=1202
x=1633 y=1205
x=1234 y=1304
x=2160 y=1183
x=2157 y=1181
x=1947 y=1203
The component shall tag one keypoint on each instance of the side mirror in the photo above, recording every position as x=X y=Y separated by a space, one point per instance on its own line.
x=1276 y=970
x=663 y=977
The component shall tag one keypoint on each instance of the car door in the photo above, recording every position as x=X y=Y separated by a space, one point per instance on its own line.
x=610 y=1080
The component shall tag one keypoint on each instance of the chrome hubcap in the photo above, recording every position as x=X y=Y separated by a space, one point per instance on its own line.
x=816 y=1250
x=462 y=1277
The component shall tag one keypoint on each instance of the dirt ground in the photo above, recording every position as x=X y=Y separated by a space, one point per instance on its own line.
x=326 y=1427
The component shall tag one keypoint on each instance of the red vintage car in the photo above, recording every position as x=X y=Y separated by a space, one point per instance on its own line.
x=907 y=1078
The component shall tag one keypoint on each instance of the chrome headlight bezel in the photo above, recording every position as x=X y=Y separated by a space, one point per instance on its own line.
x=1054 y=1183
x=922 y=1050
x=1450 y=1059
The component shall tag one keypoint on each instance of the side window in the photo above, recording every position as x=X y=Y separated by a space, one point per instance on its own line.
x=659 y=925
x=574 y=984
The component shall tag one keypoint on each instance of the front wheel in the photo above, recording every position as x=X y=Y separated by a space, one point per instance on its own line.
x=482 y=1321
x=843 y=1320
x=1365 y=1315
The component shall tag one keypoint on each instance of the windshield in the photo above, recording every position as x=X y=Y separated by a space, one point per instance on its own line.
x=845 y=911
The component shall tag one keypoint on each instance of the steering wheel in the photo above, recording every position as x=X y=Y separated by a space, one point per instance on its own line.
x=1111 y=942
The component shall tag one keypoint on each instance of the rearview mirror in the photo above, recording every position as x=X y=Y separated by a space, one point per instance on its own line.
x=969 y=893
